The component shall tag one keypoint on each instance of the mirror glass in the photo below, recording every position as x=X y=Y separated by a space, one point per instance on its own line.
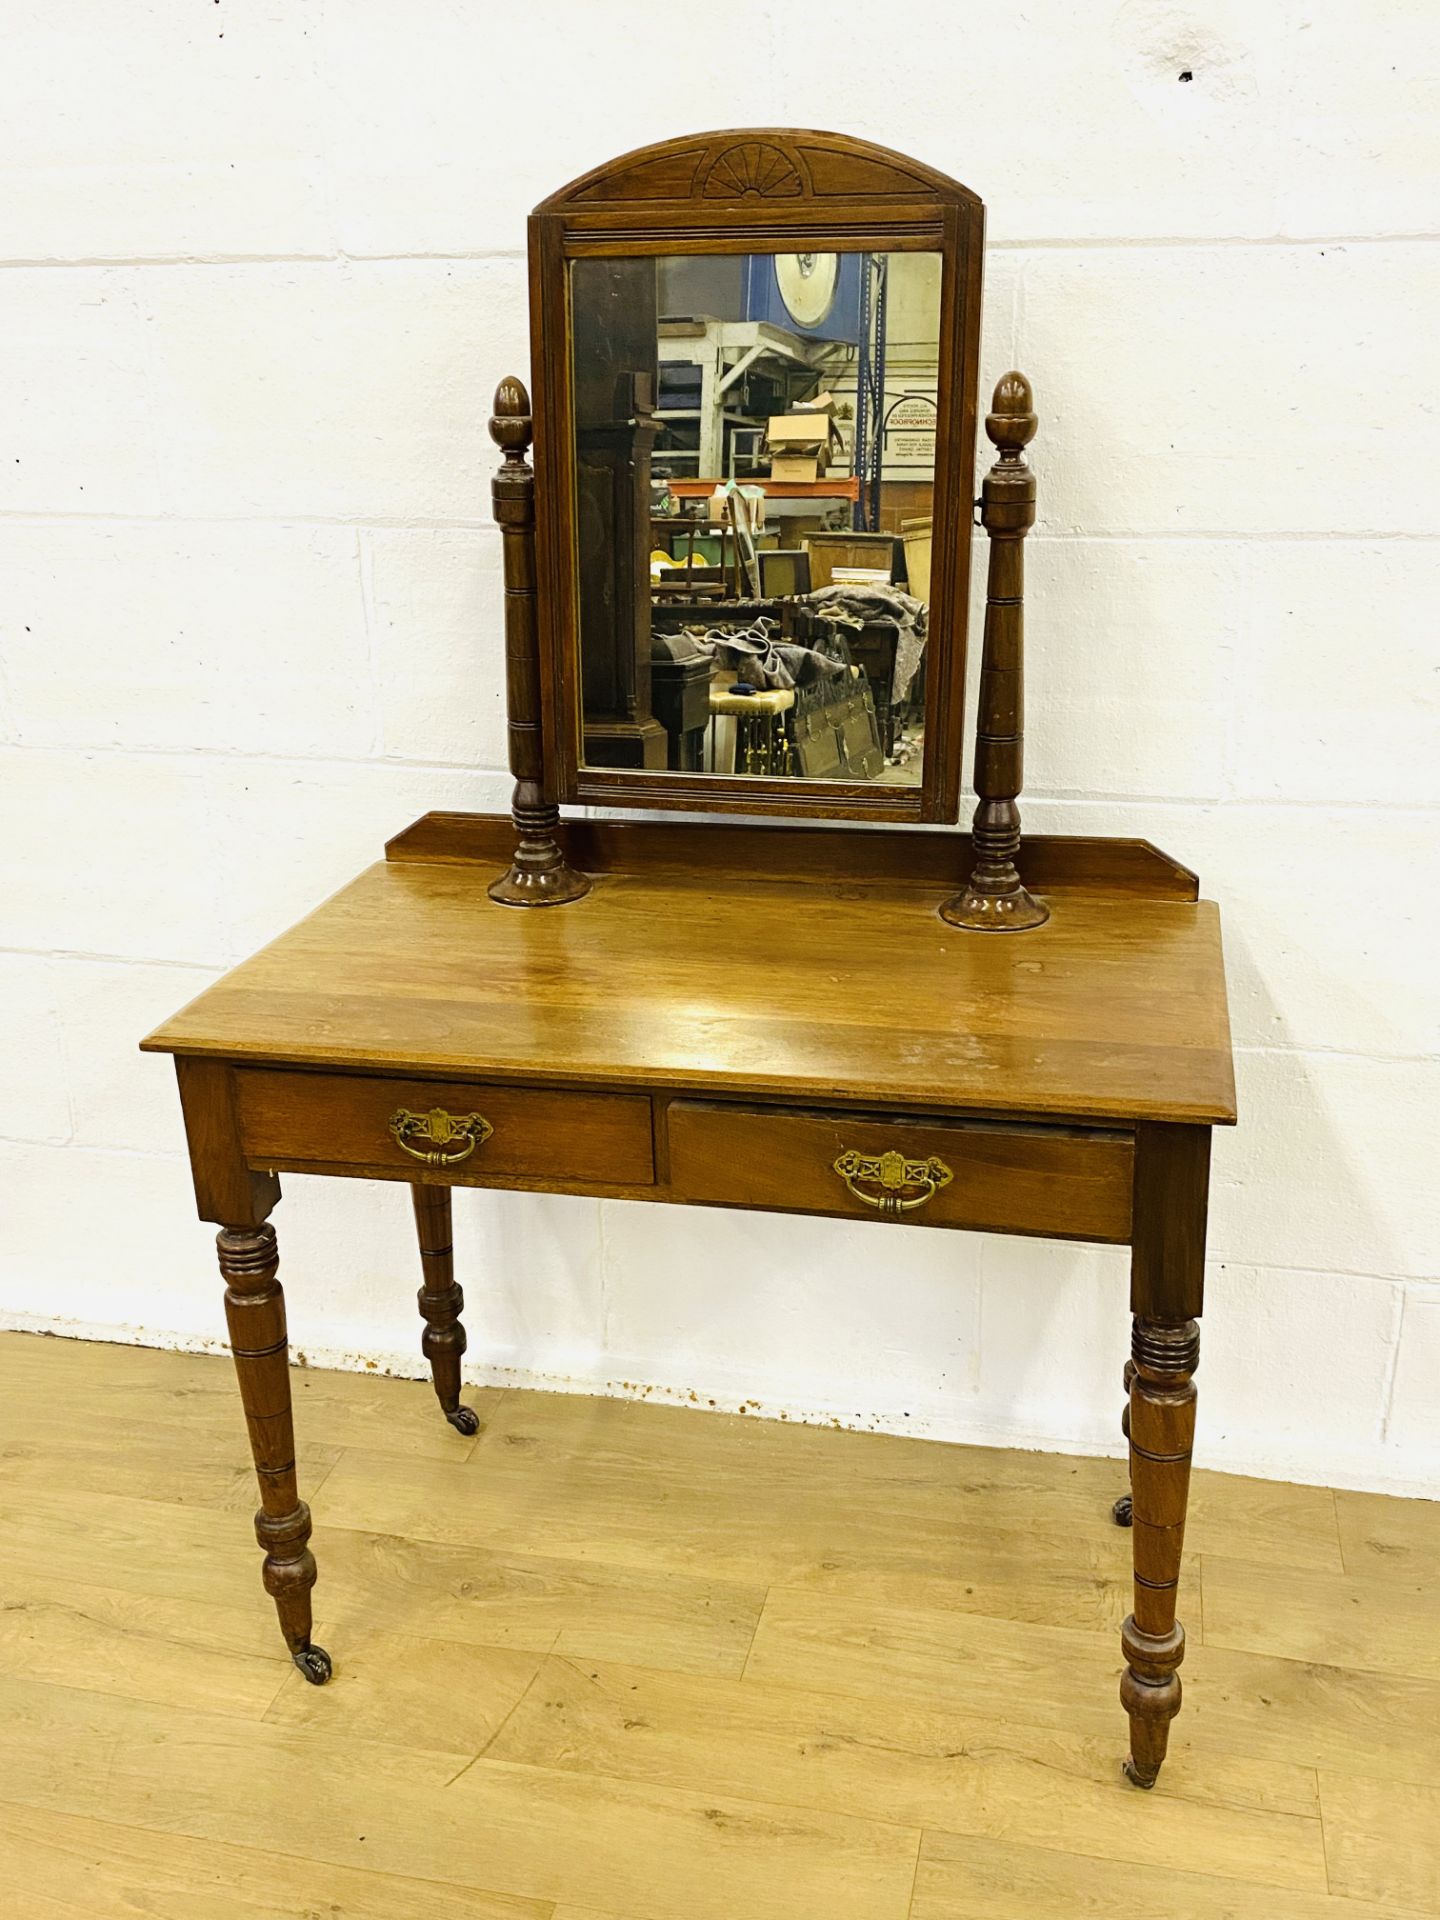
x=754 y=461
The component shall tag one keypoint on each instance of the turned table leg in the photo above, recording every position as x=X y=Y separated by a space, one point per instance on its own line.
x=1162 y=1430
x=441 y=1302
x=255 y=1314
x=1172 y=1167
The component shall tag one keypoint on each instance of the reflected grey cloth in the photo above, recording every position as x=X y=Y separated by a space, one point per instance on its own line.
x=864 y=604
x=808 y=665
x=767 y=664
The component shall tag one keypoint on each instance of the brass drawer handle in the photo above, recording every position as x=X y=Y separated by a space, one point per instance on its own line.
x=893 y=1173
x=448 y=1138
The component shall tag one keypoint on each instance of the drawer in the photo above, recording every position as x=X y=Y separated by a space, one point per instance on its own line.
x=1072 y=1182
x=483 y=1132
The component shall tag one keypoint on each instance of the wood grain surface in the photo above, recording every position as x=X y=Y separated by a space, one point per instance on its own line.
x=1114 y=1010
x=1066 y=1182
x=536 y=1133
x=609 y=1661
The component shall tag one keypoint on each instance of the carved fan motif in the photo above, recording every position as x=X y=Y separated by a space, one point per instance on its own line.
x=754 y=168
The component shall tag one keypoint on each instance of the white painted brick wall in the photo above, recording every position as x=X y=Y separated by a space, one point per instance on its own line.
x=262 y=267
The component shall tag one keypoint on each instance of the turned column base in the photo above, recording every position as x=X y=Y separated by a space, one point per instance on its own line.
x=979 y=912
x=539 y=887
x=539 y=875
x=994 y=899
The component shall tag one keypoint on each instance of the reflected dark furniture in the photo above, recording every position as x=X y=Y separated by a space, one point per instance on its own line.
x=615 y=428
x=873 y=648
x=680 y=695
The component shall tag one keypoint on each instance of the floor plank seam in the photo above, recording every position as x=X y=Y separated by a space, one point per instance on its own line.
x=1339 y=1534
x=272 y=1852
x=270 y=1704
x=502 y=1394
x=314 y=1484
x=763 y=1802
x=1141 y=1859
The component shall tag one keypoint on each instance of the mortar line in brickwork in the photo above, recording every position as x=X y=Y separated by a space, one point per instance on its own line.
x=103 y=958
x=1209 y=803
x=1400 y=1281
x=1051 y=243
x=339 y=761
x=122 y=263
x=1347 y=537
x=1382 y=1056
x=1039 y=796
x=379 y=524
x=1392 y=1368
x=1202 y=242
x=1299 y=1050
x=398 y=523
x=176 y=1159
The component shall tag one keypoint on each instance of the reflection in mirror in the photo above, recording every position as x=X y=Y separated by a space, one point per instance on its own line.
x=754 y=480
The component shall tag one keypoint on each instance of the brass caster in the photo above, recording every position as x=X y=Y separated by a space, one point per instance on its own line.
x=464 y=1420
x=1129 y=1770
x=314 y=1663
x=1122 y=1513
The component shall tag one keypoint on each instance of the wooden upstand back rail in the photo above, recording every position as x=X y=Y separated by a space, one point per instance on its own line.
x=1062 y=1084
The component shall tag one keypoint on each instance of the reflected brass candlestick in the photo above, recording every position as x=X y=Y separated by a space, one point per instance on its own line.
x=995 y=901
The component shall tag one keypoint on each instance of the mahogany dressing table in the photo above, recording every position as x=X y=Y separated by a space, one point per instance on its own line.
x=861 y=1020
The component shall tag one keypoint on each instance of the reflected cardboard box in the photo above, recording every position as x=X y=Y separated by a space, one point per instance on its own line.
x=802 y=443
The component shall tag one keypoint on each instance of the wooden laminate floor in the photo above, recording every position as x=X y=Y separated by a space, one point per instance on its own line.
x=611 y=1661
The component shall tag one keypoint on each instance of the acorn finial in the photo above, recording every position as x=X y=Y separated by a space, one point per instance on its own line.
x=511 y=427
x=1011 y=422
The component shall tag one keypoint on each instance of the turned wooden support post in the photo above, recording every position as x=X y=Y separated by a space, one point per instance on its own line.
x=1162 y=1433
x=441 y=1304
x=539 y=875
x=1167 y=1276
x=995 y=901
x=255 y=1315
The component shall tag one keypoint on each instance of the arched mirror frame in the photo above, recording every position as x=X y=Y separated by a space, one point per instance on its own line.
x=757 y=189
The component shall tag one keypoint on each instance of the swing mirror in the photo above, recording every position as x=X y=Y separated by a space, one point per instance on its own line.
x=754 y=460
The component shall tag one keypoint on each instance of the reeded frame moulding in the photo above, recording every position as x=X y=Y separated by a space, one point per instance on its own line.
x=757 y=190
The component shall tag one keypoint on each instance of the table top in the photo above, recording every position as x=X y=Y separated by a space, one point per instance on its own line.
x=824 y=988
